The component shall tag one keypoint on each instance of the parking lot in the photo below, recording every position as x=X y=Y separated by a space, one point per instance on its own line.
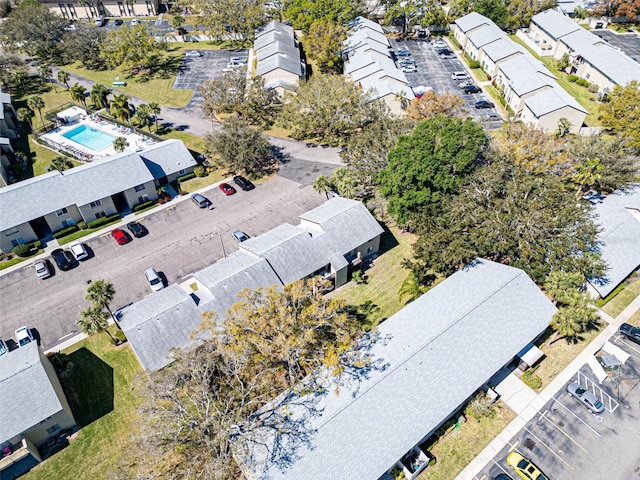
x=567 y=442
x=435 y=72
x=181 y=240
x=629 y=43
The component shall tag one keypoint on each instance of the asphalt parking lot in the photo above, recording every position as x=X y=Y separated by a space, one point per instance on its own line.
x=182 y=239
x=567 y=442
x=435 y=72
x=629 y=43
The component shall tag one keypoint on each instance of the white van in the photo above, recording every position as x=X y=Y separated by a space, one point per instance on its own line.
x=459 y=76
x=153 y=279
x=100 y=21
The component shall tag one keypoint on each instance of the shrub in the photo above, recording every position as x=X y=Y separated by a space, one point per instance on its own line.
x=603 y=301
x=199 y=171
x=531 y=379
x=82 y=225
x=65 y=231
x=572 y=78
x=474 y=64
x=593 y=88
x=582 y=82
x=103 y=221
x=186 y=177
x=143 y=205
x=120 y=336
x=480 y=406
x=22 y=250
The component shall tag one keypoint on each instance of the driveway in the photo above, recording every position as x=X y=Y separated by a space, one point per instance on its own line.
x=182 y=239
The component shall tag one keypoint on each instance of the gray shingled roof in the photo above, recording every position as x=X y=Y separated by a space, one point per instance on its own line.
x=432 y=355
x=167 y=158
x=485 y=35
x=159 y=323
x=619 y=218
x=275 y=26
x=526 y=74
x=362 y=22
x=551 y=100
x=269 y=38
x=554 y=23
x=471 y=21
x=27 y=394
x=276 y=48
x=501 y=49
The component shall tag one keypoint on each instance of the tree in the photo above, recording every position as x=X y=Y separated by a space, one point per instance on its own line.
x=46 y=74
x=231 y=19
x=322 y=184
x=588 y=174
x=99 y=94
x=403 y=14
x=410 y=288
x=60 y=164
x=240 y=147
x=94 y=320
x=128 y=46
x=492 y=9
x=142 y=117
x=303 y=13
x=154 y=109
x=101 y=293
x=25 y=115
x=36 y=103
x=225 y=94
x=431 y=104
x=563 y=62
x=574 y=318
x=431 y=162
x=564 y=286
x=63 y=77
x=177 y=21
x=8 y=65
x=344 y=182
x=33 y=28
x=617 y=8
x=119 y=107
x=330 y=110
x=84 y=45
x=564 y=127
x=324 y=44
x=120 y=144
x=620 y=114
x=78 y=94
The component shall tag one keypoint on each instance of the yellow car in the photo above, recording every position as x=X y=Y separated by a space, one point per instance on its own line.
x=525 y=467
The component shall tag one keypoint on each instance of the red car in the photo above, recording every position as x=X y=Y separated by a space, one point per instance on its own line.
x=227 y=189
x=119 y=236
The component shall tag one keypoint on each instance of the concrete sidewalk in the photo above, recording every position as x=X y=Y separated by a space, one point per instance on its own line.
x=527 y=412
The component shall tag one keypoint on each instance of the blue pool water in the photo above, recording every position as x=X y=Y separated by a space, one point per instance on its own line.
x=90 y=138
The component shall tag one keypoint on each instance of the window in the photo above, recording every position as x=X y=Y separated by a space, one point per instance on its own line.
x=11 y=232
x=370 y=250
x=587 y=76
x=181 y=172
x=140 y=187
x=100 y=214
x=53 y=429
x=61 y=212
x=17 y=241
x=69 y=222
x=143 y=198
x=95 y=204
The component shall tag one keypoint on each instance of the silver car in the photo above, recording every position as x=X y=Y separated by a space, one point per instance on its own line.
x=153 y=279
x=240 y=236
x=586 y=397
x=42 y=270
x=78 y=251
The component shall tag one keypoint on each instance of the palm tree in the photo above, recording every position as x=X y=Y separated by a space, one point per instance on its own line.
x=154 y=108
x=568 y=322
x=36 y=103
x=60 y=163
x=63 y=77
x=588 y=174
x=99 y=94
x=78 y=94
x=119 y=107
x=142 y=116
x=46 y=73
x=94 y=320
x=100 y=293
x=563 y=286
x=410 y=288
x=322 y=184
x=120 y=143
x=25 y=115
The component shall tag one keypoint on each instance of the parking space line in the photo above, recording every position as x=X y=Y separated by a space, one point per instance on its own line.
x=626 y=344
x=571 y=412
x=500 y=466
x=544 y=415
x=514 y=446
x=549 y=448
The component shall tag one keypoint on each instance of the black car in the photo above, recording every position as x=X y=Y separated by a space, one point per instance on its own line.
x=118 y=21
x=444 y=51
x=471 y=89
x=243 y=183
x=484 y=104
x=631 y=332
x=62 y=259
x=136 y=229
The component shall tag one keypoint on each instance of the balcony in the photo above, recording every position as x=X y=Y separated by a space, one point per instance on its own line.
x=12 y=453
x=412 y=464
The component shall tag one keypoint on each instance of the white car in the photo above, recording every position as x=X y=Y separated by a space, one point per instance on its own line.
x=24 y=336
x=153 y=279
x=3 y=347
x=78 y=251
x=42 y=270
x=135 y=21
x=409 y=69
x=193 y=53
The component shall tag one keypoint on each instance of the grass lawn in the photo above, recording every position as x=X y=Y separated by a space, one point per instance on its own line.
x=105 y=407
x=380 y=294
x=194 y=143
x=454 y=450
x=618 y=303
x=197 y=183
x=581 y=94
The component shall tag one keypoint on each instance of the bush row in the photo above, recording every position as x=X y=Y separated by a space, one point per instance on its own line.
x=103 y=221
x=65 y=231
x=186 y=177
x=143 y=205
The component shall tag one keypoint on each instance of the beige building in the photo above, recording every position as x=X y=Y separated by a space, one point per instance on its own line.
x=35 y=411
x=76 y=9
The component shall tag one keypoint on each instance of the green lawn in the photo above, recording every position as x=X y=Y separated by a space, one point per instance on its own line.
x=379 y=296
x=193 y=142
x=104 y=404
x=581 y=94
x=618 y=303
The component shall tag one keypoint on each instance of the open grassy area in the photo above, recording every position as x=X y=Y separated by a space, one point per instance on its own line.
x=379 y=296
x=618 y=303
x=197 y=183
x=581 y=94
x=457 y=448
x=105 y=407
x=193 y=142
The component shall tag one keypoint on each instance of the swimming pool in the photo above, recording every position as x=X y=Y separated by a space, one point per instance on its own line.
x=90 y=138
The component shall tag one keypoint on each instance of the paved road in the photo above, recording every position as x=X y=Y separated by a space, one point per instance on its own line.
x=182 y=239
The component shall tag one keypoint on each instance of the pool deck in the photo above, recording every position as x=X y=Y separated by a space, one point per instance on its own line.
x=55 y=138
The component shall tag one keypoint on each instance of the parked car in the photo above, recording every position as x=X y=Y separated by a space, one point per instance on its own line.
x=193 y=53
x=136 y=229
x=407 y=61
x=239 y=60
x=631 y=332
x=119 y=236
x=240 y=236
x=524 y=467
x=200 y=200
x=243 y=183
x=502 y=476
x=78 y=251
x=420 y=90
x=118 y=21
x=3 y=347
x=465 y=84
x=471 y=89
x=100 y=21
x=61 y=257
x=459 y=76
x=493 y=116
x=409 y=69
x=403 y=53
x=484 y=104
x=153 y=279
x=134 y=22
x=586 y=397
x=227 y=189
x=24 y=336
x=42 y=270
x=444 y=51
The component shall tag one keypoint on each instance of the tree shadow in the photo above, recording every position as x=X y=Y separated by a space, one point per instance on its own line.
x=88 y=384
x=280 y=155
x=387 y=240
